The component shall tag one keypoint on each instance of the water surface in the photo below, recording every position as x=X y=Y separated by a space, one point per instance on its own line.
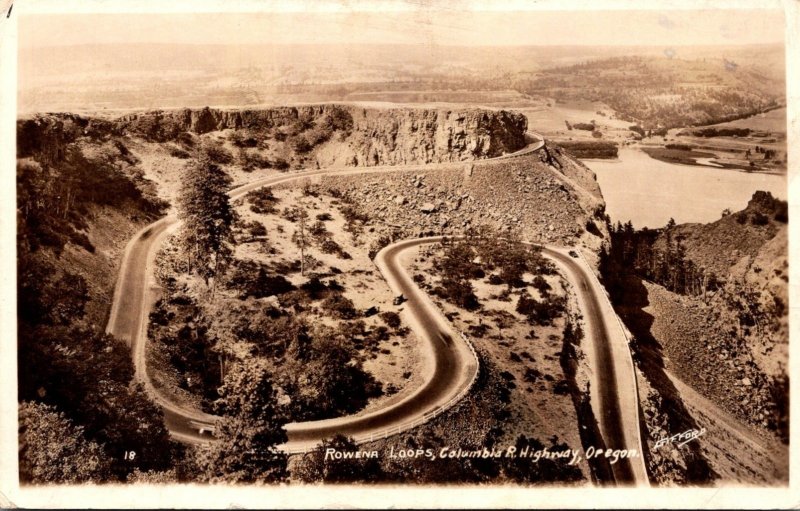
x=649 y=192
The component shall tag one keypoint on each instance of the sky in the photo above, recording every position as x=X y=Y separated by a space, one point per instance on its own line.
x=423 y=23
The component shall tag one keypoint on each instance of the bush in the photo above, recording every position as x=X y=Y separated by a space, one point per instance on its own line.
x=218 y=154
x=637 y=129
x=256 y=229
x=392 y=319
x=542 y=313
x=540 y=284
x=317 y=229
x=81 y=240
x=177 y=152
x=250 y=278
x=301 y=145
x=339 y=306
x=592 y=228
x=280 y=164
x=243 y=139
x=186 y=140
x=459 y=292
x=585 y=126
x=351 y=214
x=253 y=160
x=561 y=387
x=262 y=201
x=328 y=246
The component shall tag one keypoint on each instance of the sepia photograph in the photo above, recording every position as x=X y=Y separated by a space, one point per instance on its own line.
x=431 y=253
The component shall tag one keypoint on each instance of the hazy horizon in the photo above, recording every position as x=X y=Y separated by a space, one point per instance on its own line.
x=643 y=28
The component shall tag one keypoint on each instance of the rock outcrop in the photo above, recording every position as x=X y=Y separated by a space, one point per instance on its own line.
x=374 y=136
x=520 y=194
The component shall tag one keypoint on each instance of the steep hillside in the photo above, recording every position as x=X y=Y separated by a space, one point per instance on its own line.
x=707 y=307
x=79 y=200
x=547 y=197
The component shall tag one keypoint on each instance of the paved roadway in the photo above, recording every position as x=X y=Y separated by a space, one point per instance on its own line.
x=613 y=386
x=136 y=292
x=453 y=365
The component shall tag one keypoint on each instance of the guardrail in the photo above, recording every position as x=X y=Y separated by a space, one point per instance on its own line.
x=236 y=191
x=426 y=417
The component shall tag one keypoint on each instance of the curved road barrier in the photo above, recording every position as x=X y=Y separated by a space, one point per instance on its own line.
x=136 y=292
x=455 y=362
x=615 y=404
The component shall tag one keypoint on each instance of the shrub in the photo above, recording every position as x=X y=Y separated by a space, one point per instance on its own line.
x=542 y=313
x=392 y=319
x=218 y=154
x=782 y=212
x=339 y=306
x=243 y=139
x=561 y=387
x=328 y=246
x=253 y=160
x=351 y=214
x=541 y=284
x=317 y=229
x=177 y=152
x=637 y=129
x=592 y=228
x=256 y=229
x=459 y=292
x=262 y=201
x=250 y=278
x=531 y=375
x=301 y=145
x=186 y=140
x=81 y=240
x=280 y=164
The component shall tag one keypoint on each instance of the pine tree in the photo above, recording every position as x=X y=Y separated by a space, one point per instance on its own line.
x=250 y=430
x=207 y=217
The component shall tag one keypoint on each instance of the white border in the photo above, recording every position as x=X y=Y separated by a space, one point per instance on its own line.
x=363 y=496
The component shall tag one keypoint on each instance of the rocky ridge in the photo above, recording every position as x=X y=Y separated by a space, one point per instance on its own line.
x=375 y=136
x=525 y=194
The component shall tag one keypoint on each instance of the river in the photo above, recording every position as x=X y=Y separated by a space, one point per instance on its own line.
x=649 y=192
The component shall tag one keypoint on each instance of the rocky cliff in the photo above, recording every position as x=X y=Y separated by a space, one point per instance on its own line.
x=366 y=136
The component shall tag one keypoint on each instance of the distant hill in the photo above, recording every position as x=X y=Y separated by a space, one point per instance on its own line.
x=671 y=91
x=640 y=83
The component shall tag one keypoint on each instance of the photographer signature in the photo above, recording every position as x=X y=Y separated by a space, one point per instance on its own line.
x=681 y=438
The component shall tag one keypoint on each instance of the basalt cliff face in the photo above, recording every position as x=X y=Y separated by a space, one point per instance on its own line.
x=424 y=136
x=365 y=136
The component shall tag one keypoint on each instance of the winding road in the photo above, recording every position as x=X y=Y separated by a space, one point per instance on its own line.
x=454 y=363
